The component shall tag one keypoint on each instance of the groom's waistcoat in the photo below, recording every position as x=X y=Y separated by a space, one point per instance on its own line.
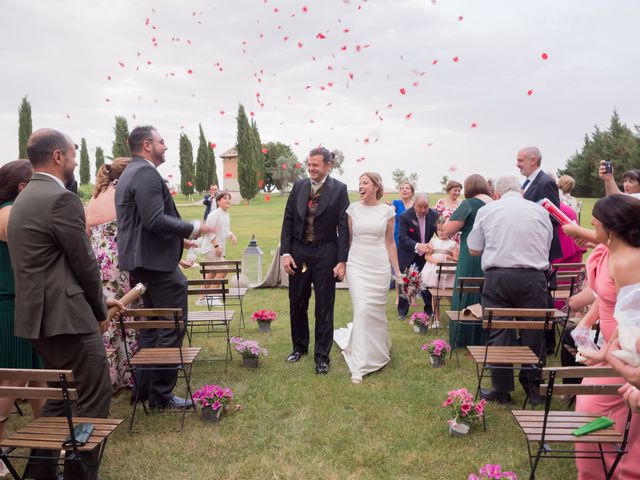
x=312 y=207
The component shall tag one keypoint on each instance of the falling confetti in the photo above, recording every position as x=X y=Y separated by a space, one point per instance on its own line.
x=320 y=36
x=267 y=198
x=545 y=56
x=265 y=150
x=530 y=92
x=455 y=59
x=228 y=174
x=408 y=115
x=403 y=91
x=474 y=125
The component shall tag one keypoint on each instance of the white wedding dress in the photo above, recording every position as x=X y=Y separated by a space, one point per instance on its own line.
x=365 y=342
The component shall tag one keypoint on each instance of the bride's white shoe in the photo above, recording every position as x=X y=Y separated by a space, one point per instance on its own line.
x=356 y=380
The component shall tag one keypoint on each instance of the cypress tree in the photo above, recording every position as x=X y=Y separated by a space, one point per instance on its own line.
x=246 y=156
x=99 y=158
x=213 y=172
x=257 y=145
x=85 y=171
x=186 y=165
x=202 y=163
x=120 y=146
x=25 y=127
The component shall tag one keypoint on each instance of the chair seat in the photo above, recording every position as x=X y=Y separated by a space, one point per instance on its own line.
x=560 y=424
x=442 y=292
x=503 y=355
x=165 y=356
x=205 y=317
x=51 y=432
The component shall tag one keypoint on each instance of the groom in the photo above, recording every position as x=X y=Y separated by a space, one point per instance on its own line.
x=314 y=245
x=416 y=227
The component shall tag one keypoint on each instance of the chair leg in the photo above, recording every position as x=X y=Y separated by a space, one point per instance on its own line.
x=8 y=464
x=455 y=341
x=609 y=474
x=15 y=404
x=534 y=467
x=479 y=374
x=561 y=332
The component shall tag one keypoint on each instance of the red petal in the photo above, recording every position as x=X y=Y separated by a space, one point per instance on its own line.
x=320 y=36
x=544 y=56
x=228 y=174
x=189 y=71
x=530 y=92
x=474 y=125
x=265 y=150
x=455 y=59
x=402 y=91
x=267 y=198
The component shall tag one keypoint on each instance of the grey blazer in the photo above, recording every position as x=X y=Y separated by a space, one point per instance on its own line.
x=57 y=278
x=150 y=230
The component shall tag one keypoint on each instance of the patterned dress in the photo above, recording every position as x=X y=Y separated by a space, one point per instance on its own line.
x=446 y=212
x=115 y=284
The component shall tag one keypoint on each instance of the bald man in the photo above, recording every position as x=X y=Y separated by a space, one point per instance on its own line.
x=59 y=299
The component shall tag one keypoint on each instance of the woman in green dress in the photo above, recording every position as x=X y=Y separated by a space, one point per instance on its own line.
x=476 y=193
x=14 y=352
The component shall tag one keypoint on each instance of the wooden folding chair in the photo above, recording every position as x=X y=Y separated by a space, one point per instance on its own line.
x=489 y=357
x=149 y=359
x=440 y=293
x=567 y=286
x=235 y=294
x=50 y=433
x=543 y=428
x=471 y=285
x=214 y=322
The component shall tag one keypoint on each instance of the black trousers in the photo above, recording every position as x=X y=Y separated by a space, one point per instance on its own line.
x=164 y=290
x=320 y=261
x=85 y=355
x=403 y=304
x=515 y=288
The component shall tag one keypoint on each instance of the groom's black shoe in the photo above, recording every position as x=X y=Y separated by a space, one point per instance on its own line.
x=295 y=356
x=322 y=368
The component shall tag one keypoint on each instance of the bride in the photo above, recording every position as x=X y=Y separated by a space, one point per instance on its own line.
x=365 y=342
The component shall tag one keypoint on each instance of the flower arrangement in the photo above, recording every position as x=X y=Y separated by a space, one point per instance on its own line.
x=462 y=408
x=263 y=316
x=410 y=283
x=437 y=347
x=489 y=472
x=213 y=396
x=248 y=348
x=420 y=318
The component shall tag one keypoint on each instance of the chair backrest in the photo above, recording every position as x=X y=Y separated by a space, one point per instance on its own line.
x=472 y=285
x=223 y=266
x=554 y=373
x=55 y=393
x=546 y=316
x=208 y=286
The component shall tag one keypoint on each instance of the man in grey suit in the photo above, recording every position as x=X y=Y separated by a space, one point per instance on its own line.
x=151 y=235
x=59 y=299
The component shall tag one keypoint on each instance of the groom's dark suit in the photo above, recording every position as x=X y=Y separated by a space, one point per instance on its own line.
x=543 y=186
x=315 y=256
x=408 y=237
x=150 y=242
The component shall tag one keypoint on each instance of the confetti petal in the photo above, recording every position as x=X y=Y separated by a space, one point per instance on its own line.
x=530 y=92
x=408 y=115
x=455 y=59
x=474 y=125
x=320 y=36
x=403 y=91
x=228 y=174
x=545 y=56
x=267 y=198
x=265 y=150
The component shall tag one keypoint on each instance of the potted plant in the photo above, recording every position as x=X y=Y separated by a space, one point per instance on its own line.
x=250 y=350
x=420 y=322
x=212 y=400
x=463 y=412
x=437 y=350
x=264 y=319
x=490 y=471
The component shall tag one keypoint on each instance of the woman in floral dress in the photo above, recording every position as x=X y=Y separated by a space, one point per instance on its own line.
x=447 y=205
x=103 y=229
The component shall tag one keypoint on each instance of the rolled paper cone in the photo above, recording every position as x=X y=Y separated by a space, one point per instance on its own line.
x=594 y=426
x=127 y=299
x=554 y=211
x=475 y=310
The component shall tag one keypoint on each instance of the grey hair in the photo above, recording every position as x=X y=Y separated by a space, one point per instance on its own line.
x=507 y=184
x=421 y=195
x=533 y=152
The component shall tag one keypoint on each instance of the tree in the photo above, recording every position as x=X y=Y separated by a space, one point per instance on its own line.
x=212 y=179
x=99 y=158
x=203 y=163
x=443 y=181
x=85 y=170
x=272 y=177
x=245 y=147
x=399 y=176
x=257 y=145
x=338 y=160
x=120 y=146
x=287 y=169
x=186 y=165
x=618 y=144
x=25 y=127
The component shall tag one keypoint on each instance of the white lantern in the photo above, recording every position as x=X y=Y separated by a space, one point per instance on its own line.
x=252 y=263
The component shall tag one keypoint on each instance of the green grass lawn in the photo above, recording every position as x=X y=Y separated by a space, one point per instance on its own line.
x=296 y=424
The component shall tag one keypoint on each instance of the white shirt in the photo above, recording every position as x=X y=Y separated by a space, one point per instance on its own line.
x=219 y=220
x=531 y=178
x=58 y=181
x=512 y=233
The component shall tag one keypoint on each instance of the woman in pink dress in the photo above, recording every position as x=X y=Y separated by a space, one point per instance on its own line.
x=447 y=205
x=615 y=220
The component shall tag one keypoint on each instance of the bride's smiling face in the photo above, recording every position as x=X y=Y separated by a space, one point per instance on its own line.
x=366 y=188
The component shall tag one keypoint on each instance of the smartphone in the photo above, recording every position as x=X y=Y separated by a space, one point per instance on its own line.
x=608 y=167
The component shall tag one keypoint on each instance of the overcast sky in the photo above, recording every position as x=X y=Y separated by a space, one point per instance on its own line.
x=329 y=72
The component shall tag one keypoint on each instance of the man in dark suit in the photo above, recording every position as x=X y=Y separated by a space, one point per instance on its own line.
x=415 y=228
x=59 y=299
x=539 y=185
x=151 y=236
x=315 y=244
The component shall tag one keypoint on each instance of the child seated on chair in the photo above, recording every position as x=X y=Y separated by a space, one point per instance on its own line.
x=444 y=250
